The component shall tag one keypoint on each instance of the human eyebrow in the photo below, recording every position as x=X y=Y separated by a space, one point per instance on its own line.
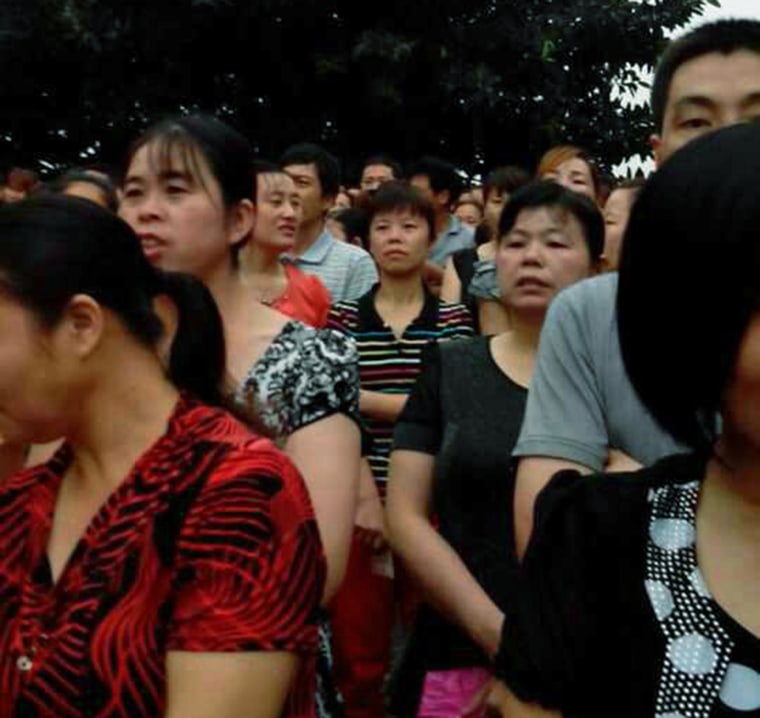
x=751 y=99
x=176 y=176
x=691 y=101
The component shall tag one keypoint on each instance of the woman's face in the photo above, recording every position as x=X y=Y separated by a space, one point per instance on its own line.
x=544 y=252
x=399 y=241
x=177 y=210
x=36 y=377
x=469 y=214
x=617 y=211
x=278 y=211
x=574 y=174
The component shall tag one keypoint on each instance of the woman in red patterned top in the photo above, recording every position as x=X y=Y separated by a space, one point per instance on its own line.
x=166 y=561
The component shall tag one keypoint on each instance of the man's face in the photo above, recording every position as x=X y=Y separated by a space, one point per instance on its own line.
x=707 y=93
x=439 y=199
x=374 y=175
x=314 y=204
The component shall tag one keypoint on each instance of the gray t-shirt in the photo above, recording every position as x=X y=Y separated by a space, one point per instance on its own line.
x=581 y=402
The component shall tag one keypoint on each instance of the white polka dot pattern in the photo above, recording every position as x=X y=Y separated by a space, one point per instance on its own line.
x=698 y=648
x=741 y=688
x=693 y=654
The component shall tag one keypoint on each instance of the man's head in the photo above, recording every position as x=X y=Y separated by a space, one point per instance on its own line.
x=707 y=79
x=378 y=169
x=317 y=176
x=438 y=180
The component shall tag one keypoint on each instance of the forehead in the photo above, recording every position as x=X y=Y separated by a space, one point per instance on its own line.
x=275 y=182
x=165 y=156
x=422 y=181
x=377 y=171
x=722 y=79
x=543 y=219
x=398 y=214
x=619 y=198
x=574 y=164
x=302 y=172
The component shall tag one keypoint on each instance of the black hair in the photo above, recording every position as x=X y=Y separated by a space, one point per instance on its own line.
x=53 y=247
x=93 y=177
x=327 y=165
x=690 y=279
x=551 y=195
x=723 y=36
x=354 y=222
x=442 y=176
x=228 y=153
x=505 y=180
x=397 y=195
x=385 y=161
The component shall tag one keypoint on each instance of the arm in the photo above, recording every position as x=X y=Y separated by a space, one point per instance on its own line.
x=451 y=288
x=228 y=685
x=380 y=406
x=533 y=473
x=440 y=571
x=327 y=453
x=370 y=516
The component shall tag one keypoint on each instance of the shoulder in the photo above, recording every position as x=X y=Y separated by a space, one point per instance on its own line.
x=597 y=512
x=350 y=252
x=593 y=296
x=302 y=346
x=454 y=314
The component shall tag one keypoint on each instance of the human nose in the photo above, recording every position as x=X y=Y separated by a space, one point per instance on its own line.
x=150 y=206
x=533 y=252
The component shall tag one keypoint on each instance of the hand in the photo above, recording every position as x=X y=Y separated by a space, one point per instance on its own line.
x=495 y=699
x=620 y=461
x=370 y=523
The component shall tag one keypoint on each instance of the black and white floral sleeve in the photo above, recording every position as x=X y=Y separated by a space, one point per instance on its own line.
x=305 y=375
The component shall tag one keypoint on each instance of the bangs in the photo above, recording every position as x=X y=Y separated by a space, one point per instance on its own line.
x=171 y=150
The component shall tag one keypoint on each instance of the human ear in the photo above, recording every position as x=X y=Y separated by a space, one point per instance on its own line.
x=82 y=325
x=240 y=221
x=655 y=143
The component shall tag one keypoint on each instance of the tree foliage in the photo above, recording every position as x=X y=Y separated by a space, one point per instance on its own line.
x=482 y=82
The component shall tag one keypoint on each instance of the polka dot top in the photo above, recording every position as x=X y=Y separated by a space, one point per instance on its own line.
x=612 y=615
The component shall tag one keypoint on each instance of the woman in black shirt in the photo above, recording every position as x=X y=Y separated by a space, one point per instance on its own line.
x=452 y=446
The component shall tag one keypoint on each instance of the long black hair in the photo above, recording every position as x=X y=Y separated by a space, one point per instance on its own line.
x=54 y=247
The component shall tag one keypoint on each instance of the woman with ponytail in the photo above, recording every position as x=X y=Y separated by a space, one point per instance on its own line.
x=165 y=561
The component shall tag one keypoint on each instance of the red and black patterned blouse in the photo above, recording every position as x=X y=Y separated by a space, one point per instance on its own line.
x=210 y=544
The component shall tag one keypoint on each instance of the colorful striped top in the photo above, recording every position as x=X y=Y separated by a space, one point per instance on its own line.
x=389 y=364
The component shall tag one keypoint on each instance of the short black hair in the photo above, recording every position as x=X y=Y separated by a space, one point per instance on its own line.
x=93 y=177
x=723 y=36
x=328 y=167
x=505 y=180
x=385 y=161
x=551 y=195
x=690 y=280
x=398 y=195
x=441 y=174
x=354 y=223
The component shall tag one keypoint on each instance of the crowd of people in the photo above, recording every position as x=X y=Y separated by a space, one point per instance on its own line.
x=274 y=446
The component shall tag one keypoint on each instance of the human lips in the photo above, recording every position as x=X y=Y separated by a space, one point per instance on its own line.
x=287 y=228
x=152 y=245
x=532 y=283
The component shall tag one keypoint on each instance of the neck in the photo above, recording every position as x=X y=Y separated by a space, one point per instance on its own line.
x=526 y=329
x=121 y=420
x=307 y=234
x=256 y=260
x=225 y=283
x=736 y=470
x=400 y=290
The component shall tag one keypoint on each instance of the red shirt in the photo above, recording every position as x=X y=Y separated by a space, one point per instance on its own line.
x=209 y=544
x=305 y=299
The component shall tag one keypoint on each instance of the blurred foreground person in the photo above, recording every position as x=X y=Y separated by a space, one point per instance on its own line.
x=166 y=561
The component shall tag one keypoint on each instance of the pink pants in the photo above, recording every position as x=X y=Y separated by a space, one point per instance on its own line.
x=445 y=694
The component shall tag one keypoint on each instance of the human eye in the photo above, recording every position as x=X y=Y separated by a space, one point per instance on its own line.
x=133 y=192
x=695 y=123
